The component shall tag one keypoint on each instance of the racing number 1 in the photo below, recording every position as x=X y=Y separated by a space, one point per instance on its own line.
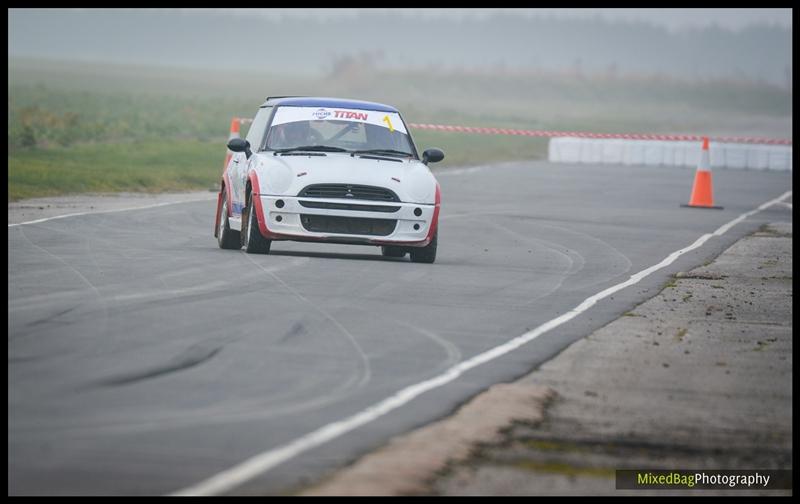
x=389 y=122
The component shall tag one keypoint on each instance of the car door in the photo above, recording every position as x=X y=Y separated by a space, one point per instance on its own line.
x=240 y=163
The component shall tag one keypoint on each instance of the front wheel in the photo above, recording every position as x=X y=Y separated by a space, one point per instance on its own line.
x=226 y=237
x=252 y=239
x=426 y=254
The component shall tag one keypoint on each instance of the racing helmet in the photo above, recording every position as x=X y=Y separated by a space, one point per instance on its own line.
x=296 y=132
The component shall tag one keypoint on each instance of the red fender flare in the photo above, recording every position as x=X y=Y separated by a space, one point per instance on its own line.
x=435 y=219
x=255 y=191
x=224 y=185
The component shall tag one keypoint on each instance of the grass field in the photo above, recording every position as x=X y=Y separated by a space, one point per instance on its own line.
x=178 y=165
x=76 y=128
x=151 y=166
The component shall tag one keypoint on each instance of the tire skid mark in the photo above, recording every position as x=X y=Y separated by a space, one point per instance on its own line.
x=254 y=409
x=547 y=244
x=179 y=296
x=49 y=319
x=276 y=401
x=573 y=255
x=137 y=301
x=167 y=294
x=113 y=245
x=76 y=271
x=243 y=410
x=579 y=234
x=552 y=246
x=193 y=356
x=91 y=252
x=453 y=354
x=605 y=244
x=294 y=332
x=366 y=371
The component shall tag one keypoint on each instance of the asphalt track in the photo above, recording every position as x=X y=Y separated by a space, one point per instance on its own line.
x=143 y=359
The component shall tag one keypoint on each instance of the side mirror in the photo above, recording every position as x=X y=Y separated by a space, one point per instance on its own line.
x=433 y=155
x=240 y=145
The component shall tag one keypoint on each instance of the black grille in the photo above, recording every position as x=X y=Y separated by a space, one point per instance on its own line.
x=348 y=191
x=347 y=206
x=348 y=225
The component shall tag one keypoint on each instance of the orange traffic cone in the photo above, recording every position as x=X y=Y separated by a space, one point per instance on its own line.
x=233 y=134
x=702 y=193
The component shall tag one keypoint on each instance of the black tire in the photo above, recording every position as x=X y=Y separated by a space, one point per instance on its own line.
x=390 y=251
x=227 y=237
x=252 y=239
x=425 y=254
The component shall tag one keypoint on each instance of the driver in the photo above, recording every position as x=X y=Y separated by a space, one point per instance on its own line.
x=294 y=134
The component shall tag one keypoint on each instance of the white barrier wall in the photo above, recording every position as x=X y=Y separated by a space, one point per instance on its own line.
x=669 y=153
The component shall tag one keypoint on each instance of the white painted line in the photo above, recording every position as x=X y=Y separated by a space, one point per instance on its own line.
x=263 y=462
x=108 y=211
x=457 y=171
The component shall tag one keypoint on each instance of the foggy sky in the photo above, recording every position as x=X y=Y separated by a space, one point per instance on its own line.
x=753 y=44
x=672 y=19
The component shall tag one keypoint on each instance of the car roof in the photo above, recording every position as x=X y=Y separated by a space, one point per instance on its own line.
x=316 y=101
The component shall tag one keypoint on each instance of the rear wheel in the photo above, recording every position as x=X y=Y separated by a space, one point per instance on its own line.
x=227 y=237
x=252 y=239
x=425 y=254
x=391 y=251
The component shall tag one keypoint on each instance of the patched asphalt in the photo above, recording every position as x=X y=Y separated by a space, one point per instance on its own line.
x=143 y=359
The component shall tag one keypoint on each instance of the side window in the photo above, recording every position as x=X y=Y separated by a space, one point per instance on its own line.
x=256 y=133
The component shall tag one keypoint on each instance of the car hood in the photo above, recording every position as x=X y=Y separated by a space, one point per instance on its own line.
x=412 y=181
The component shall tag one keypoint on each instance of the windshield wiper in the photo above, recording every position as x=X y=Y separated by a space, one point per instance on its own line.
x=324 y=148
x=388 y=152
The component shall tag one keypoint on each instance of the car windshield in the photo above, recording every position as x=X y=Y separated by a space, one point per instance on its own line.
x=332 y=129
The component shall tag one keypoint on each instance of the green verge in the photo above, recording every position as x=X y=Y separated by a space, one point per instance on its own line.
x=147 y=166
x=466 y=149
x=158 y=166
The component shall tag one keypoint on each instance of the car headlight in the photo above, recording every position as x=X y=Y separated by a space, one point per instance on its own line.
x=277 y=178
x=421 y=187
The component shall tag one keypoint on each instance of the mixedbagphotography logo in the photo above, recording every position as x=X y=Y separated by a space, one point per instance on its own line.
x=644 y=479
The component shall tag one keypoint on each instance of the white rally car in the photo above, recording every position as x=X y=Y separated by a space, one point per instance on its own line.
x=329 y=170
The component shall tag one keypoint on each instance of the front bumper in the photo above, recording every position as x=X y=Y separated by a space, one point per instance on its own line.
x=293 y=221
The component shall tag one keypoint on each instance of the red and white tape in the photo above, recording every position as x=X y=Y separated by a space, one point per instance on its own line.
x=585 y=134
x=579 y=134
